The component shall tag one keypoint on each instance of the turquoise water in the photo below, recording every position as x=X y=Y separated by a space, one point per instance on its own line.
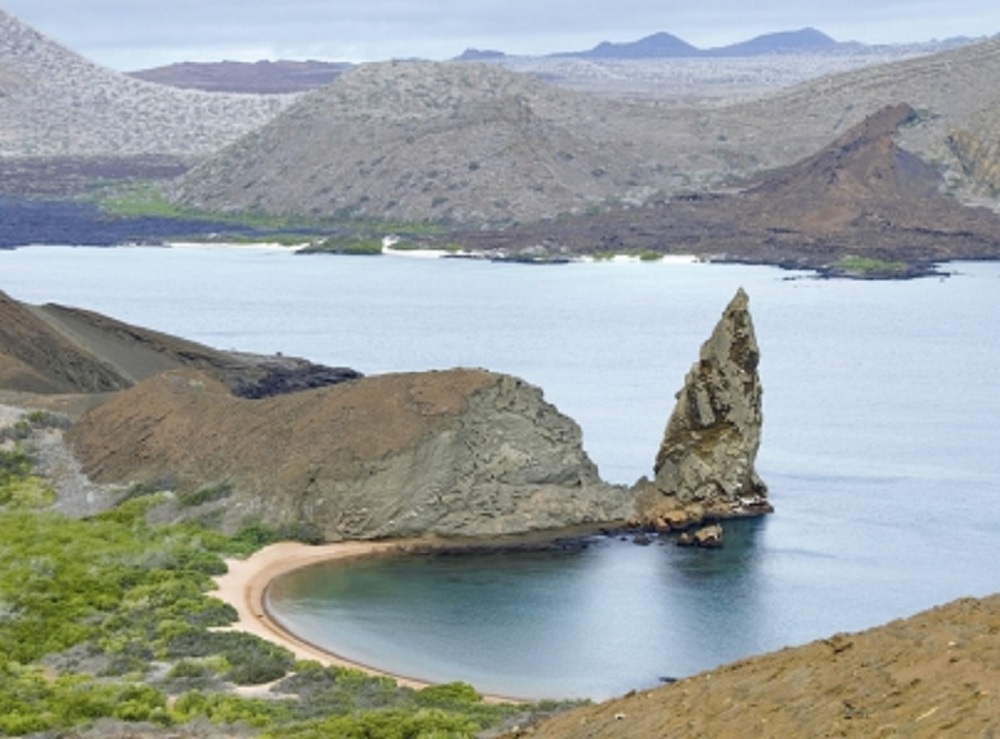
x=881 y=405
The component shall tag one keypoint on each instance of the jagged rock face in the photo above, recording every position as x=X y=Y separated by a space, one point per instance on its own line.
x=705 y=464
x=452 y=453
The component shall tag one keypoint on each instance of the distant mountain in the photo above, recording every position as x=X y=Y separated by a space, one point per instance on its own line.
x=657 y=45
x=805 y=40
x=480 y=55
x=665 y=45
x=263 y=77
x=56 y=103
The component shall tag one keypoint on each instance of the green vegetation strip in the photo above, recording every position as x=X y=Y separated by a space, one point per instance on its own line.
x=869 y=266
x=111 y=619
x=342 y=235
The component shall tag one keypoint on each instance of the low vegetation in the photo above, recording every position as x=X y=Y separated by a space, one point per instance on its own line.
x=111 y=620
x=309 y=234
x=852 y=265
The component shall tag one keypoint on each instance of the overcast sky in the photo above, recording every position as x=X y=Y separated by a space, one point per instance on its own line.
x=135 y=34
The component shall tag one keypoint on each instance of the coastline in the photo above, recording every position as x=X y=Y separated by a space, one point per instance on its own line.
x=244 y=586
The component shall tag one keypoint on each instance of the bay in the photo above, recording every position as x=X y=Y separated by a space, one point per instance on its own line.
x=880 y=443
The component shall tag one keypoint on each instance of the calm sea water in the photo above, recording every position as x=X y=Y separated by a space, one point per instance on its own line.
x=881 y=438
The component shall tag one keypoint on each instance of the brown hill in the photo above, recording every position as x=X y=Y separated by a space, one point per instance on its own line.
x=452 y=453
x=55 y=349
x=936 y=674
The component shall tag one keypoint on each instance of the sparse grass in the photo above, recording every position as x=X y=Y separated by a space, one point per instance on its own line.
x=869 y=266
x=337 y=234
x=643 y=255
x=352 y=245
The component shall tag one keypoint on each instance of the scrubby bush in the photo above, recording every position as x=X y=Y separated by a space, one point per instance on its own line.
x=105 y=597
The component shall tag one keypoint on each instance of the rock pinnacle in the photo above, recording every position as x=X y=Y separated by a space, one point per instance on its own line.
x=705 y=464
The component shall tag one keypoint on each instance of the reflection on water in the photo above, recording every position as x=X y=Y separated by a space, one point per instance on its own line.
x=586 y=623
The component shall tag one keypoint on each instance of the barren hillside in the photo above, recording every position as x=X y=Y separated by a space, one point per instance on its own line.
x=471 y=142
x=936 y=674
x=426 y=140
x=861 y=196
x=58 y=349
x=56 y=103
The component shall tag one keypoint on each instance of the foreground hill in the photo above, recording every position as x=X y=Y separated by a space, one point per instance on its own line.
x=933 y=675
x=246 y=438
x=53 y=349
x=473 y=143
x=56 y=103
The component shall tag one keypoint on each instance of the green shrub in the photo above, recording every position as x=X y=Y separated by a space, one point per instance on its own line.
x=205 y=494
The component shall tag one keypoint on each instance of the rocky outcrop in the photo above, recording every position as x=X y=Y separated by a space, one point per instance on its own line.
x=706 y=537
x=705 y=465
x=451 y=453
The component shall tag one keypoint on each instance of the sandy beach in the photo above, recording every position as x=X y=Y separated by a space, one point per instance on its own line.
x=245 y=585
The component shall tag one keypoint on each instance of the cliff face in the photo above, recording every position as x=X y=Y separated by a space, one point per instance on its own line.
x=705 y=464
x=452 y=453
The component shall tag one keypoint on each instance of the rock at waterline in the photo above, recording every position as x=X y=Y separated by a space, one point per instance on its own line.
x=707 y=537
x=705 y=465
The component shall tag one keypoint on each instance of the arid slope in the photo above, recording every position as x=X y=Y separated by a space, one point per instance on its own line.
x=933 y=675
x=427 y=141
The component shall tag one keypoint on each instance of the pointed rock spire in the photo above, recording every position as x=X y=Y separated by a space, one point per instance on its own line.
x=705 y=464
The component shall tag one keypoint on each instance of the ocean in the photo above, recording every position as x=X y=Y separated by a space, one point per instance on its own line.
x=880 y=446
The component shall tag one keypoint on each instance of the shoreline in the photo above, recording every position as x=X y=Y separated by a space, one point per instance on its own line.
x=244 y=586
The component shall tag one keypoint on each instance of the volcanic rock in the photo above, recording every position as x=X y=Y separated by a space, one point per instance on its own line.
x=707 y=537
x=451 y=453
x=705 y=464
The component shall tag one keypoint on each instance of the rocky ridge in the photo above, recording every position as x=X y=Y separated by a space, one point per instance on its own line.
x=237 y=439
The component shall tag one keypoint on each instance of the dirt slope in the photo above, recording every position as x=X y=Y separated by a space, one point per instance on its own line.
x=936 y=674
x=56 y=349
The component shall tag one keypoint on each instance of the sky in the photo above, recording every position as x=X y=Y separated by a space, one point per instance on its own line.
x=137 y=34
